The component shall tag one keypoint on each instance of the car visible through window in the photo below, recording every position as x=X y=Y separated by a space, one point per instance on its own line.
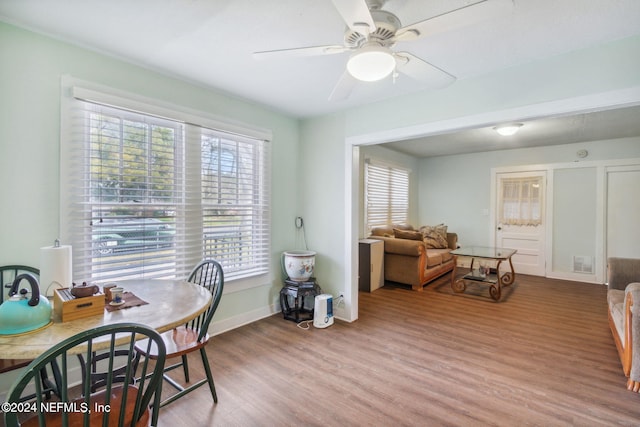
x=111 y=235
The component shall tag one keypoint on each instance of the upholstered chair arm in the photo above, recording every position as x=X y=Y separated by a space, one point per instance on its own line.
x=632 y=319
x=623 y=271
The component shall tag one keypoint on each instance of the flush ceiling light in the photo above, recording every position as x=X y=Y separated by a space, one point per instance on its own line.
x=507 y=130
x=371 y=63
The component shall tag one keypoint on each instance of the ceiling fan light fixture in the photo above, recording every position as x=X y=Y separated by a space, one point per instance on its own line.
x=371 y=63
x=509 y=129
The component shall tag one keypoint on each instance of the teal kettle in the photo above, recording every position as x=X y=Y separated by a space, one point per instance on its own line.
x=20 y=314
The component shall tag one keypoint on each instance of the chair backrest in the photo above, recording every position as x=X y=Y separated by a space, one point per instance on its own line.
x=208 y=274
x=116 y=404
x=623 y=271
x=10 y=272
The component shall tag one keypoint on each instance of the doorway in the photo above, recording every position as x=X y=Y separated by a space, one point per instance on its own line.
x=520 y=219
x=575 y=105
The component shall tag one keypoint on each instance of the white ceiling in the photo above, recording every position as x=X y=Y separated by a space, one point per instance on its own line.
x=596 y=126
x=210 y=42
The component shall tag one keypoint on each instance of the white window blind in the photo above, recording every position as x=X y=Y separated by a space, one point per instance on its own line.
x=386 y=194
x=235 y=206
x=148 y=197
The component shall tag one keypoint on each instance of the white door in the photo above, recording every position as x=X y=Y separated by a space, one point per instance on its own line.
x=520 y=222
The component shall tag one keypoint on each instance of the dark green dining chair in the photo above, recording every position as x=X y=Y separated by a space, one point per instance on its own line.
x=8 y=273
x=192 y=336
x=114 y=404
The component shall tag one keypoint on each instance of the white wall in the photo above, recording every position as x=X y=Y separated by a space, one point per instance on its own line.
x=456 y=189
x=575 y=217
x=464 y=182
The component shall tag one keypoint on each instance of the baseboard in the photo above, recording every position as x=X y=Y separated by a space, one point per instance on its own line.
x=216 y=328
x=575 y=277
x=234 y=322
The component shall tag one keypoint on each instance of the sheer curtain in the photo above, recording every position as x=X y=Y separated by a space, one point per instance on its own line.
x=520 y=201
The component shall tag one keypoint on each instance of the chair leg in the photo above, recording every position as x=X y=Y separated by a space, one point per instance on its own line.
x=46 y=383
x=185 y=367
x=207 y=369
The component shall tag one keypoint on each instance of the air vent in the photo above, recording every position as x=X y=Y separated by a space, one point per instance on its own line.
x=583 y=264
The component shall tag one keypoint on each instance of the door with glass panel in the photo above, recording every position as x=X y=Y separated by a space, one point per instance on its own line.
x=520 y=220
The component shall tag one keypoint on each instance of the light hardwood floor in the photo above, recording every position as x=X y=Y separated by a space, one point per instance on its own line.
x=542 y=356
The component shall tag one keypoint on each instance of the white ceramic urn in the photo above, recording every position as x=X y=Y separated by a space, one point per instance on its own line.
x=299 y=264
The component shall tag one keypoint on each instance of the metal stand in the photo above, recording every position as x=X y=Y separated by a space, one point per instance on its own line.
x=302 y=296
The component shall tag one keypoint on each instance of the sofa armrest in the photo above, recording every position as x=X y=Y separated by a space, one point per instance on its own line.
x=632 y=329
x=452 y=240
x=623 y=271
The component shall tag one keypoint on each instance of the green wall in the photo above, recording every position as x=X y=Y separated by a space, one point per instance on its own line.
x=30 y=78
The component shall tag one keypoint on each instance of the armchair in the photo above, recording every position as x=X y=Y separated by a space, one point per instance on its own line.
x=623 y=299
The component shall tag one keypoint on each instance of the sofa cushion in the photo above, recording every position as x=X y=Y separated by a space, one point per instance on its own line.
x=444 y=253
x=407 y=234
x=403 y=226
x=434 y=259
x=388 y=230
x=435 y=236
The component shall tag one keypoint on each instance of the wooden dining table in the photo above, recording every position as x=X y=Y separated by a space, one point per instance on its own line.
x=170 y=303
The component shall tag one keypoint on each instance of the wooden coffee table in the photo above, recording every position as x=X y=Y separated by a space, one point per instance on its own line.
x=494 y=279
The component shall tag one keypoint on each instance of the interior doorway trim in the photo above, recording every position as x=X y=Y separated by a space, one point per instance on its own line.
x=582 y=104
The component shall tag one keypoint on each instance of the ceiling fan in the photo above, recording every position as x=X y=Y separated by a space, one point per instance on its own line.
x=372 y=33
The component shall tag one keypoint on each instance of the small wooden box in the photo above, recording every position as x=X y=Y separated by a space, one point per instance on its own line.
x=67 y=307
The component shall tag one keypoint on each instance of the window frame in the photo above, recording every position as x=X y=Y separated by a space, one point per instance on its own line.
x=75 y=89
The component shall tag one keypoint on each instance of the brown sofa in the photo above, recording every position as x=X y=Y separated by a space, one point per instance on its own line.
x=409 y=257
x=623 y=298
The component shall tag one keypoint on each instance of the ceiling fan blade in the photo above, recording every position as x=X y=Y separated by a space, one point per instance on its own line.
x=356 y=14
x=343 y=88
x=422 y=71
x=301 y=52
x=457 y=18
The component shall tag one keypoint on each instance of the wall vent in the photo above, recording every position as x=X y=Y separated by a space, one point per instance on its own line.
x=583 y=264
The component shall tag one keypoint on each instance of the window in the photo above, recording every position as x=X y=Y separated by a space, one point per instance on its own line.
x=234 y=207
x=520 y=201
x=386 y=194
x=146 y=196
